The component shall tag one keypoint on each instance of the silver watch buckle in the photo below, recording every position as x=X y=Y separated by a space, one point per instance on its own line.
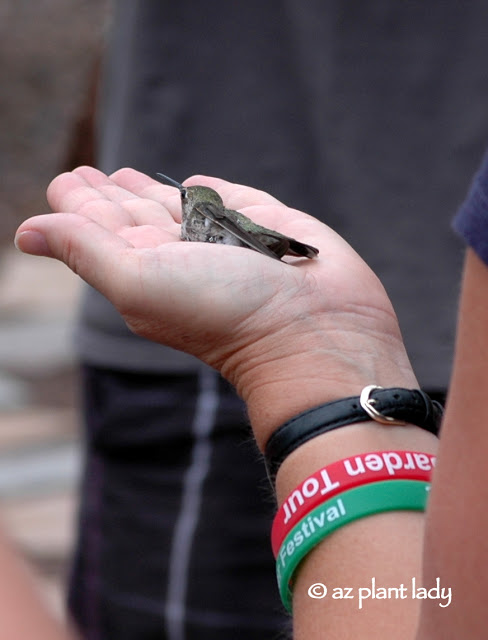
x=367 y=403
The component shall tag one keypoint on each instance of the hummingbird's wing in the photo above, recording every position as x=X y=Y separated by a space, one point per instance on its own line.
x=278 y=243
x=219 y=217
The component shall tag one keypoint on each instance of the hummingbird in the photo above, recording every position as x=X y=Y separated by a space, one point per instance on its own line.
x=205 y=219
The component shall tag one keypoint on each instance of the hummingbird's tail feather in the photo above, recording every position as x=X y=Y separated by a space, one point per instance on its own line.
x=300 y=249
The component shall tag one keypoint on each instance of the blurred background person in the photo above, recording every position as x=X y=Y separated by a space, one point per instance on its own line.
x=369 y=116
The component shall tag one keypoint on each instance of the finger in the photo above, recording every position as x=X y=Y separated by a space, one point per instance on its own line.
x=235 y=196
x=70 y=191
x=103 y=183
x=89 y=192
x=148 y=187
x=136 y=186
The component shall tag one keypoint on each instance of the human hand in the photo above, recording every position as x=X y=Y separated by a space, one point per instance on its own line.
x=264 y=324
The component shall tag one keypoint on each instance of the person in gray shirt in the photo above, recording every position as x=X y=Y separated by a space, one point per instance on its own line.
x=369 y=116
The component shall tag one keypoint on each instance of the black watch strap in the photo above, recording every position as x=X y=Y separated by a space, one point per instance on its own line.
x=388 y=406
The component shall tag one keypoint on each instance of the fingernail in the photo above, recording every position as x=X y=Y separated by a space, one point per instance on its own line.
x=32 y=242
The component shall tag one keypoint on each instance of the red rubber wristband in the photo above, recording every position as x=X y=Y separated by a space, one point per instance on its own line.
x=343 y=475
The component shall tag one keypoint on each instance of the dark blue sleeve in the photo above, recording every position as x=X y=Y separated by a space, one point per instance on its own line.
x=471 y=221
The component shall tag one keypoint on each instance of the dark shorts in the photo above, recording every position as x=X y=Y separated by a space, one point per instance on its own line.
x=175 y=514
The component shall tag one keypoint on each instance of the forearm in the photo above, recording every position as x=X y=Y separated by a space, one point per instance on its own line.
x=386 y=548
x=23 y=615
x=455 y=547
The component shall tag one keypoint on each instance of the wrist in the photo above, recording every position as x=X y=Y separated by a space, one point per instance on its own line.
x=389 y=407
x=286 y=373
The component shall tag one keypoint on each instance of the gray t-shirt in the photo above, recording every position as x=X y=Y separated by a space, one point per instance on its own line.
x=371 y=116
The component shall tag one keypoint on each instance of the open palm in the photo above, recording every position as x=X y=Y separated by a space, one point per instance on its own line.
x=121 y=235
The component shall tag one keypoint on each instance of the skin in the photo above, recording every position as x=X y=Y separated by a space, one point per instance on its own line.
x=289 y=336
x=23 y=612
x=455 y=543
x=121 y=234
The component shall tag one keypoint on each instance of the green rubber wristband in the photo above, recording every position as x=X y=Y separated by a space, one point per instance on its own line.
x=366 y=500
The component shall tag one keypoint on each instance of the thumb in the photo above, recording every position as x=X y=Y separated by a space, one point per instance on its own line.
x=88 y=249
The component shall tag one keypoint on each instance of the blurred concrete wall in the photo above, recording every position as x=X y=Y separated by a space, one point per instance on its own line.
x=47 y=51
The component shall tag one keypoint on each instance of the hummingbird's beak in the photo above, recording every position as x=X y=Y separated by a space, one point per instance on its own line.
x=171 y=181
